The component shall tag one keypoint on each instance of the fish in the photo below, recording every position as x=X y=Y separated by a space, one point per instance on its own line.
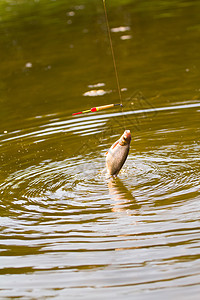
x=117 y=154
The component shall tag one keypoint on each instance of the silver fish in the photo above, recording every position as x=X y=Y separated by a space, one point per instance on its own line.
x=117 y=154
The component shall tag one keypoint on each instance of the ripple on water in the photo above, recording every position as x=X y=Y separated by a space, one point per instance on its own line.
x=67 y=227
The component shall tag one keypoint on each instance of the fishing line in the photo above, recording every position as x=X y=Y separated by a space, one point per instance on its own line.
x=98 y=108
x=112 y=51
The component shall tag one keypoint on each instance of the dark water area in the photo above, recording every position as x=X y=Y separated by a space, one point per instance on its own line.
x=67 y=231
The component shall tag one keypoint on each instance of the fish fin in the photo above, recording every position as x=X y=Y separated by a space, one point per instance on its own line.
x=112 y=147
x=115 y=144
x=103 y=171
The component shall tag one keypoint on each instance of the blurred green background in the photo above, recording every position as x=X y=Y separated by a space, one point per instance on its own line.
x=52 y=50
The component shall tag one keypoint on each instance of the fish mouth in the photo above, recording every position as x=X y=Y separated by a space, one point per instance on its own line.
x=127 y=135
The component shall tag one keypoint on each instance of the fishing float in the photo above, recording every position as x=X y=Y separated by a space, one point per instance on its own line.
x=97 y=108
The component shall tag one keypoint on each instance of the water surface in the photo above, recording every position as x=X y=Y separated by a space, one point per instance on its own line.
x=66 y=230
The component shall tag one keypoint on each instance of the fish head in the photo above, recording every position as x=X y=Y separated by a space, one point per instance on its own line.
x=125 y=138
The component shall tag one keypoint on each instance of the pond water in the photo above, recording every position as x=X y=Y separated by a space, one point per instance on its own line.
x=68 y=232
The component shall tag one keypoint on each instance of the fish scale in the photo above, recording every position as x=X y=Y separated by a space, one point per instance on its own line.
x=117 y=154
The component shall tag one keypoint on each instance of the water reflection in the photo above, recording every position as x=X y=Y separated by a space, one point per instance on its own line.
x=124 y=201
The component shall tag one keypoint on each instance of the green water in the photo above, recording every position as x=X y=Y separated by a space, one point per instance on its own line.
x=68 y=232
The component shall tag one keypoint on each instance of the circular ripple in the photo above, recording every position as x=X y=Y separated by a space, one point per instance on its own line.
x=62 y=219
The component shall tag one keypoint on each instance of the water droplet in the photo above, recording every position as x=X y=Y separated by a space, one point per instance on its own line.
x=28 y=65
x=96 y=85
x=94 y=93
x=125 y=37
x=120 y=29
x=70 y=13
